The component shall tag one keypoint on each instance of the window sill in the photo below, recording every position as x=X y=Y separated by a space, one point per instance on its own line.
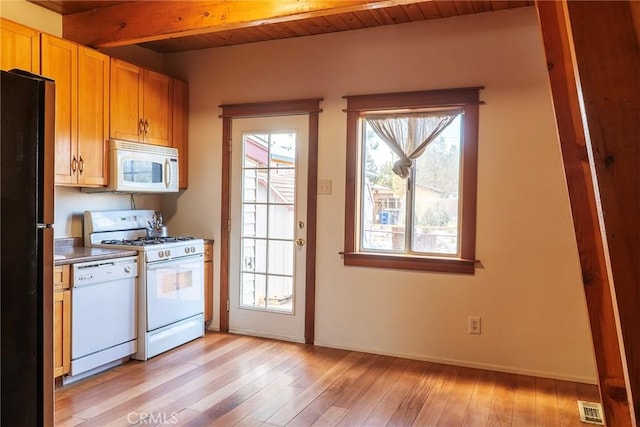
x=403 y=262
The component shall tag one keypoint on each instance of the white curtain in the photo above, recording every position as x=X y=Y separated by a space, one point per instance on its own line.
x=408 y=134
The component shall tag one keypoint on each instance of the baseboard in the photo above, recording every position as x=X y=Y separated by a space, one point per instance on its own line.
x=469 y=364
x=266 y=335
x=213 y=328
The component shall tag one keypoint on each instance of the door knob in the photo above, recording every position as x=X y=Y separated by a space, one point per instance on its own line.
x=300 y=242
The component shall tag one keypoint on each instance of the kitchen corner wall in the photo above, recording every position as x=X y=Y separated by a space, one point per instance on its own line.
x=528 y=290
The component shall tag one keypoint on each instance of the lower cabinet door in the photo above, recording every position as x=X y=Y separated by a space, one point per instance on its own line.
x=61 y=333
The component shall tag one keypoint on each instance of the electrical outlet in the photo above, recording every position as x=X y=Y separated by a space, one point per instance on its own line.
x=324 y=186
x=474 y=324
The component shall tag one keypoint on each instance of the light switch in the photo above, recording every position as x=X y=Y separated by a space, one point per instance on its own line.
x=324 y=186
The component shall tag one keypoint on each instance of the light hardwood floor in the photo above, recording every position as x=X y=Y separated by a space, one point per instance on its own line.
x=228 y=380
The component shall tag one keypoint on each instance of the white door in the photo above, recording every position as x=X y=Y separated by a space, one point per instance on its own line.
x=268 y=231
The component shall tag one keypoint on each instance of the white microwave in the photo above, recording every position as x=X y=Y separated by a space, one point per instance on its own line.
x=142 y=168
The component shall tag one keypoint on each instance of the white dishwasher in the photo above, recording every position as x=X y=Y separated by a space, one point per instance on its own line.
x=103 y=314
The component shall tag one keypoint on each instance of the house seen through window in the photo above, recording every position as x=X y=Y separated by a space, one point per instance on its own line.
x=411 y=174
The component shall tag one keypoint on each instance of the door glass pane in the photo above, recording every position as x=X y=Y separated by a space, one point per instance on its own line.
x=268 y=223
x=250 y=189
x=282 y=150
x=254 y=289
x=281 y=222
x=281 y=257
x=254 y=220
x=280 y=296
x=282 y=184
x=254 y=255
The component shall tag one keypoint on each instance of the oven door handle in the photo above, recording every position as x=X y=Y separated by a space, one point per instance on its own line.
x=184 y=260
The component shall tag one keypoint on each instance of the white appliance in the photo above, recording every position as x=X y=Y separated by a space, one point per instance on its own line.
x=141 y=168
x=171 y=277
x=103 y=314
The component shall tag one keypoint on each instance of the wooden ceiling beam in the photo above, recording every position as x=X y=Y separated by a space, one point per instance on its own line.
x=146 y=21
x=595 y=84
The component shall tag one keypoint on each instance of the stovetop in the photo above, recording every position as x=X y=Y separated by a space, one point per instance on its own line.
x=147 y=241
x=127 y=229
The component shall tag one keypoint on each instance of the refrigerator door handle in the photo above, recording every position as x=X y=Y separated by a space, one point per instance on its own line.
x=41 y=226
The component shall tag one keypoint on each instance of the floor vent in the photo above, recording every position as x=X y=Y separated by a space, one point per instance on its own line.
x=590 y=412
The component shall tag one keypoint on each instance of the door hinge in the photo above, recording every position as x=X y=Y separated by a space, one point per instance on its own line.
x=228 y=226
x=227 y=305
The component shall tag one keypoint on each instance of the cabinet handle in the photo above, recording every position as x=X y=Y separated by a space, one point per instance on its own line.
x=146 y=126
x=140 y=127
x=74 y=164
x=81 y=165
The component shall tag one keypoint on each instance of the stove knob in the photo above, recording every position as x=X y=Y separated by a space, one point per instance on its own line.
x=186 y=250
x=167 y=252
x=161 y=254
x=127 y=269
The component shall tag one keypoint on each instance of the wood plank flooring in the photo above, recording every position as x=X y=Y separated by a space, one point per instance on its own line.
x=225 y=380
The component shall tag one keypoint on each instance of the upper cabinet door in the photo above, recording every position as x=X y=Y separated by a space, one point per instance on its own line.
x=93 y=117
x=19 y=47
x=60 y=63
x=157 y=116
x=126 y=108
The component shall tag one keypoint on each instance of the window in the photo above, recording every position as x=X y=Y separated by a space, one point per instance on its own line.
x=411 y=180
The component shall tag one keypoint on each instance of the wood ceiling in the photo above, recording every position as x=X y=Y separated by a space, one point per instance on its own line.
x=174 y=26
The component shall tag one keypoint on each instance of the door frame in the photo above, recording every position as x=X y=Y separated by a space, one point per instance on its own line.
x=311 y=107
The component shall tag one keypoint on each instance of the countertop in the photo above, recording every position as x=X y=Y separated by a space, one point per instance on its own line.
x=74 y=253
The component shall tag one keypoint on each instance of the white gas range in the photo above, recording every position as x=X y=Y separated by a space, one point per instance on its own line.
x=171 y=278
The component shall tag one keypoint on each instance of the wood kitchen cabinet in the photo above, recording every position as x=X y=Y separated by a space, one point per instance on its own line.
x=19 y=47
x=61 y=321
x=82 y=111
x=208 y=282
x=141 y=104
x=180 y=127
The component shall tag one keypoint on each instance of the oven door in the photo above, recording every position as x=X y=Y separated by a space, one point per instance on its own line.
x=174 y=290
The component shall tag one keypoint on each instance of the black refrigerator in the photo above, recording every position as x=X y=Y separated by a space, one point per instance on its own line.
x=26 y=249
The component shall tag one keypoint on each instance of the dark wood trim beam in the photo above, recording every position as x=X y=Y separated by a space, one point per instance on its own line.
x=273 y=108
x=418 y=99
x=312 y=215
x=146 y=21
x=225 y=217
x=609 y=69
x=592 y=56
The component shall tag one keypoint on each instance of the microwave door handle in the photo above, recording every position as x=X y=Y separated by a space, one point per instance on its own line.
x=167 y=173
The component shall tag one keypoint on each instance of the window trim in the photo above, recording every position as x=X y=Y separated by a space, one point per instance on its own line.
x=468 y=100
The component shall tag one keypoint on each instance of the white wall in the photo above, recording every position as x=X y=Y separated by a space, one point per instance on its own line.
x=528 y=291
x=70 y=203
x=32 y=15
